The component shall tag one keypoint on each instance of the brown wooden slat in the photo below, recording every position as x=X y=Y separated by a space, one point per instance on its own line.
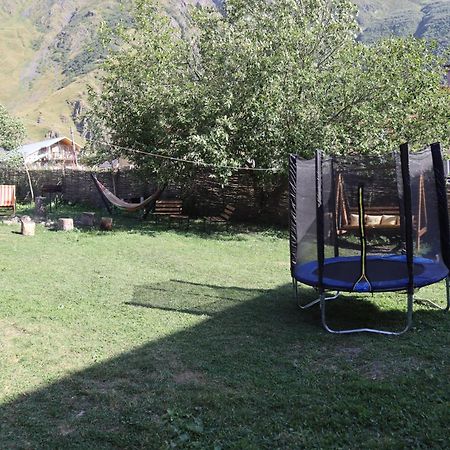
x=169 y=208
x=169 y=202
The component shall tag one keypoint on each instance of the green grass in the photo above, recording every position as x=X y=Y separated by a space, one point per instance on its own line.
x=149 y=337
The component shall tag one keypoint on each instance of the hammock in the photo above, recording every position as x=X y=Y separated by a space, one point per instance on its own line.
x=121 y=204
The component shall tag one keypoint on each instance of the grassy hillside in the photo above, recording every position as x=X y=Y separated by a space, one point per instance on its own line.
x=50 y=48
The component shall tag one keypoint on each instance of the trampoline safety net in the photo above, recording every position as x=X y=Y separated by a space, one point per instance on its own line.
x=369 y=224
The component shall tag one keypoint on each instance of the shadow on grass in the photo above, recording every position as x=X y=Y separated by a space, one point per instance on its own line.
x=255 y=373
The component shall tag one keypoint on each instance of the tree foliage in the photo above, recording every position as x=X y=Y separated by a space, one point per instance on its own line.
x=261 y=80
x=12 y=131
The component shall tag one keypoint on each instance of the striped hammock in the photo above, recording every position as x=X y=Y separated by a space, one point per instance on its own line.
x=122 y=204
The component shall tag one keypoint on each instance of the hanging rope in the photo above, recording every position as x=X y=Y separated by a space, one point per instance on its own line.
x=187 y=161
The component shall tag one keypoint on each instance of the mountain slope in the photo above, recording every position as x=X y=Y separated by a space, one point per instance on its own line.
x=50 y=48
x=420 y=18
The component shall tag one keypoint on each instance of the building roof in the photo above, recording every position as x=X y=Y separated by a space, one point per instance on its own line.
x=29 y=149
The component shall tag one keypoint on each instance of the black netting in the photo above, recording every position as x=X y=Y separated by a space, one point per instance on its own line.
x=374 y=236
x=424 y=205
x=306 y=206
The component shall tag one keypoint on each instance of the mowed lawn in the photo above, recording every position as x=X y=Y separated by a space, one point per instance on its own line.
x=154 y=338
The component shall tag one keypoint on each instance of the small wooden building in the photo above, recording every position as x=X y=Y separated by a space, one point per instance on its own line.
x=57 y=152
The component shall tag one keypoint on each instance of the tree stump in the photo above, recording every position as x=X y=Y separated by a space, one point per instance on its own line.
x=65 y=224
x=106 y=224
x=28 y=227
x=87 y=219
x=40 y=208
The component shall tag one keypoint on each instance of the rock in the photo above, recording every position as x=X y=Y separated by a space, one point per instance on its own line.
x=65 y=224
x=11 y=220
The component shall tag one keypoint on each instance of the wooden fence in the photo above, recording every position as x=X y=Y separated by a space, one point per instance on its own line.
x=202 y=197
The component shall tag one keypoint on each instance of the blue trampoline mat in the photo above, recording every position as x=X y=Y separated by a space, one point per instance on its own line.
x=384 y=273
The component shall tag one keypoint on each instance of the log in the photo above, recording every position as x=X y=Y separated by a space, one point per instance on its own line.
x=87 y=219
x=28 y=227
x=65 y=224
x=106 y=224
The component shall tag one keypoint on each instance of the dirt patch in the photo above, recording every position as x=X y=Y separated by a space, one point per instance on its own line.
x=380 y=370
x=189 y=377
x=65 y=430
x=9 y=332
x=104 y=387
x=349 y=353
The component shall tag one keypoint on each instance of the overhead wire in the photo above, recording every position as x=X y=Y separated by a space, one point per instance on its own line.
x=187 y=161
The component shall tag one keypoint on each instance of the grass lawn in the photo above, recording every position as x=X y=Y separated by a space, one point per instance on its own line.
x=148 y=337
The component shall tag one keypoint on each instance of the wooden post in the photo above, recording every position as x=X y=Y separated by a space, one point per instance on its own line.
x=28 y=227
x=106 y=224
x=65 y=224
x=40 y=208
x=74 y=150
x=102 y=196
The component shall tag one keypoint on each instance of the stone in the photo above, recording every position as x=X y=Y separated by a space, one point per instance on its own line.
x=65 y=224
x=106 y=224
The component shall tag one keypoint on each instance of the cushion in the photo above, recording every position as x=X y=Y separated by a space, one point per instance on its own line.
x=389 y=220
x=373 y=220
x=354 y=220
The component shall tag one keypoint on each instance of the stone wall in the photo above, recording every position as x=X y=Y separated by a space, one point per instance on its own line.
x=203 y=197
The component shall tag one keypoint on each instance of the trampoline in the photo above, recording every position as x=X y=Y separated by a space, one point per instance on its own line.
x=368 y=225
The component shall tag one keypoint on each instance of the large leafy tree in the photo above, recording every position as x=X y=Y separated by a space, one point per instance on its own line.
x=12 y=131
x=261 y=80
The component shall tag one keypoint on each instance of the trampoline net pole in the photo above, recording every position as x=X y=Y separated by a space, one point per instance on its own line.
x=319 y=219
x=407 y=211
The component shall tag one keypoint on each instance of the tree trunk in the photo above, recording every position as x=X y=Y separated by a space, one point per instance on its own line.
x=87 y=219
x=106 y=224
x=40 y=208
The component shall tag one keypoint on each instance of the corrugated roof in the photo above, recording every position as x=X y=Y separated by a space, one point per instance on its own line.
x=28 y=149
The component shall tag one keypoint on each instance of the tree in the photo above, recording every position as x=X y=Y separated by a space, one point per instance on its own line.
x=12 y=131
x=262 y=80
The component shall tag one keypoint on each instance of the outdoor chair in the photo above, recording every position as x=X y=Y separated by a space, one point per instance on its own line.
x=8 y=197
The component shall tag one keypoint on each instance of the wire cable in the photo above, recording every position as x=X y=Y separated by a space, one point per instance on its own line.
x=187 y=161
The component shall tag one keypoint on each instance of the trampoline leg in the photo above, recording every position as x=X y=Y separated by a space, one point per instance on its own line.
x=314 y=302
x=447 y=288
x=409 y=314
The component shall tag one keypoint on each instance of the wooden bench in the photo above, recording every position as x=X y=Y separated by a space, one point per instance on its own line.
x=170 y=209
x=8 y=197
x=223 y=217
x=419 y=223
x=373 y=212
